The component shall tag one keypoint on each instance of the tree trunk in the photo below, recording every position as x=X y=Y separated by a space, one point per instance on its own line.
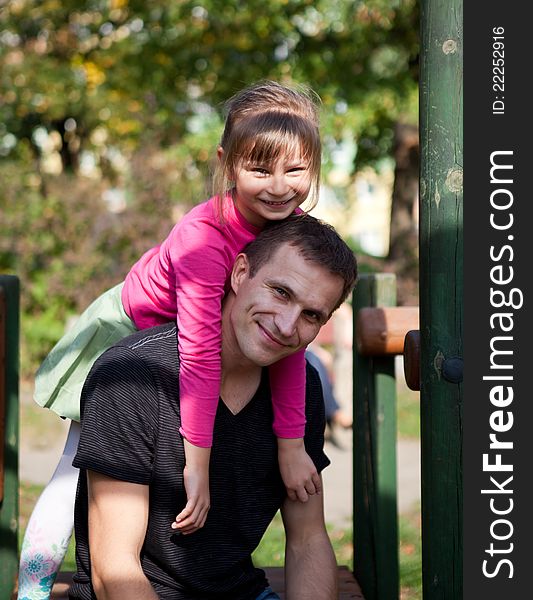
x=403 y=247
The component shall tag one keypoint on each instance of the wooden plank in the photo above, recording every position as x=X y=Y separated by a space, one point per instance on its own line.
x=374 y=456
x=9 y=507
x=3 y=316
x=348 y=587
x=411 y=359
x=441 y=294
x=380 y=331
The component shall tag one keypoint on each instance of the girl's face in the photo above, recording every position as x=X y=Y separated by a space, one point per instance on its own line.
x=271 y=192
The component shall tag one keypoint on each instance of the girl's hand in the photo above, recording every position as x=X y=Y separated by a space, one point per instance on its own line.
x=196 y=480
x=193 y=516
x=297 y=470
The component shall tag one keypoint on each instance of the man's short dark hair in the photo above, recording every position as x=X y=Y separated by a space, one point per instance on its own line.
x=316 y=241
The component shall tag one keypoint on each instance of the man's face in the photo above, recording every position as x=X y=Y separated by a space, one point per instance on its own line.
x=281 y=309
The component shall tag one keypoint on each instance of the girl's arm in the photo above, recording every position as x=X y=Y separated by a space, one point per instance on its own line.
x=201 y=264
x=201 y=259
x=287 y=383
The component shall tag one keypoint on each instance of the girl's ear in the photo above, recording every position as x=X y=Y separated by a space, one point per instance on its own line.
x=220 y=156
x=240 y=272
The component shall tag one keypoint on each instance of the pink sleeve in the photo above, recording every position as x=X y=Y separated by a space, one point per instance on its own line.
x=287 y=383
x=201 y=261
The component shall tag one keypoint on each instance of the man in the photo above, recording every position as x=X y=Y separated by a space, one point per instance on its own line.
x=283 y=288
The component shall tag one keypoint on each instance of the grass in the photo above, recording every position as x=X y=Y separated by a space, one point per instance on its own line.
x=408 y=413
x=410 y=556
x=271 y=550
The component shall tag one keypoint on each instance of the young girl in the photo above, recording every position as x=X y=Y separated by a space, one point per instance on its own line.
x=268 y=164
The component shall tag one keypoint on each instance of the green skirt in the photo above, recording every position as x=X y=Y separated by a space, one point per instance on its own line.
x=61 y=376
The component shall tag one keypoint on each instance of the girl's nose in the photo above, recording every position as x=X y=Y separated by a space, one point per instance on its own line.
x=278 y=185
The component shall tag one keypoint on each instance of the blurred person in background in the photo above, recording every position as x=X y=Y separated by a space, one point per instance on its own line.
x=320 y=358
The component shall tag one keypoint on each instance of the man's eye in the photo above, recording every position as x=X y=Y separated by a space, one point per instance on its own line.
x=312 y=316
x=281 y=292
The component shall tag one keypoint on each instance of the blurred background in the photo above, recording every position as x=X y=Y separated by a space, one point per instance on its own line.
x=110 y=114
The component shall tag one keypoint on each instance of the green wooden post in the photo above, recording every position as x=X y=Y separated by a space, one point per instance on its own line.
x=9 y=427
x=374 y=456
x=441 y=289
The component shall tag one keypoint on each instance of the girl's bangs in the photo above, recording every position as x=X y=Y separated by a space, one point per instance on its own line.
x=266 y=137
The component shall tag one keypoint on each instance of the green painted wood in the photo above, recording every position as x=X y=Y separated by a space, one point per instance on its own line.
x=441 y=290
x=9 y=506
x=374 y=456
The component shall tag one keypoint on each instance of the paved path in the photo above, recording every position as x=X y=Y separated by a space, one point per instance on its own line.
x=338 y=478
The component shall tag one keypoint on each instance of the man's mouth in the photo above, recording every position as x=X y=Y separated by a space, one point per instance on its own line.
x=271 y=337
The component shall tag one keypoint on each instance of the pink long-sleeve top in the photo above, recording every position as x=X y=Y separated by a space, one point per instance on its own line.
x=185 y=279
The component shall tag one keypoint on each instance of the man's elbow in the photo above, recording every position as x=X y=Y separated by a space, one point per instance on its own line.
x=111 y=578
x=105 y=580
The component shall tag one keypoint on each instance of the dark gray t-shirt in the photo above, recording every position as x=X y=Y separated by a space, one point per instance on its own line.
x=130 y=423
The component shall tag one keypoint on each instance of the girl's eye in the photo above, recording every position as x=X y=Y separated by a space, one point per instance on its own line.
x=260 y=170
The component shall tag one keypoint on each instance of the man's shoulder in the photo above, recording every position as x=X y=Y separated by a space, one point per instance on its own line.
x=162 y=336
x=136 y=373
x=151 y=352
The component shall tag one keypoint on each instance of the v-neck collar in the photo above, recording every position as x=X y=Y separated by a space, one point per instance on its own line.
x=260 y=392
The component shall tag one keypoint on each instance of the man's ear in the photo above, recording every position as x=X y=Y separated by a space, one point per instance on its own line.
x=240 y=272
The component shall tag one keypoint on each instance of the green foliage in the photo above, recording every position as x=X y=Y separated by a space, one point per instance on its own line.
x=140 y=68
x=135 y=90
x=59 y=238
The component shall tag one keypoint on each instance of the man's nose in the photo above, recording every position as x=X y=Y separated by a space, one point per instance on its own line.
x=286 y=322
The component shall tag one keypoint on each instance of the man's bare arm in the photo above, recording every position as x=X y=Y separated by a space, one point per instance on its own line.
x=310 y=564
x=118 y=516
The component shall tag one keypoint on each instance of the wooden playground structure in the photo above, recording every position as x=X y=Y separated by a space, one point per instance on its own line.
x=433 y=361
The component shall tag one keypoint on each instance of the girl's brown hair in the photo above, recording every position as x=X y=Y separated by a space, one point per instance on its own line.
x=265 y=121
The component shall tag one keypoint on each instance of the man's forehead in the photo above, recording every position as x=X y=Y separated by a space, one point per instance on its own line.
x=288 y=256
x=284 y=251
x=288 y=266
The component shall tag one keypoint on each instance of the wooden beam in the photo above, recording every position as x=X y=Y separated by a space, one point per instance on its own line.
x=441 y=295
x=381 y=331
x=374 y=455
x=9 y=507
